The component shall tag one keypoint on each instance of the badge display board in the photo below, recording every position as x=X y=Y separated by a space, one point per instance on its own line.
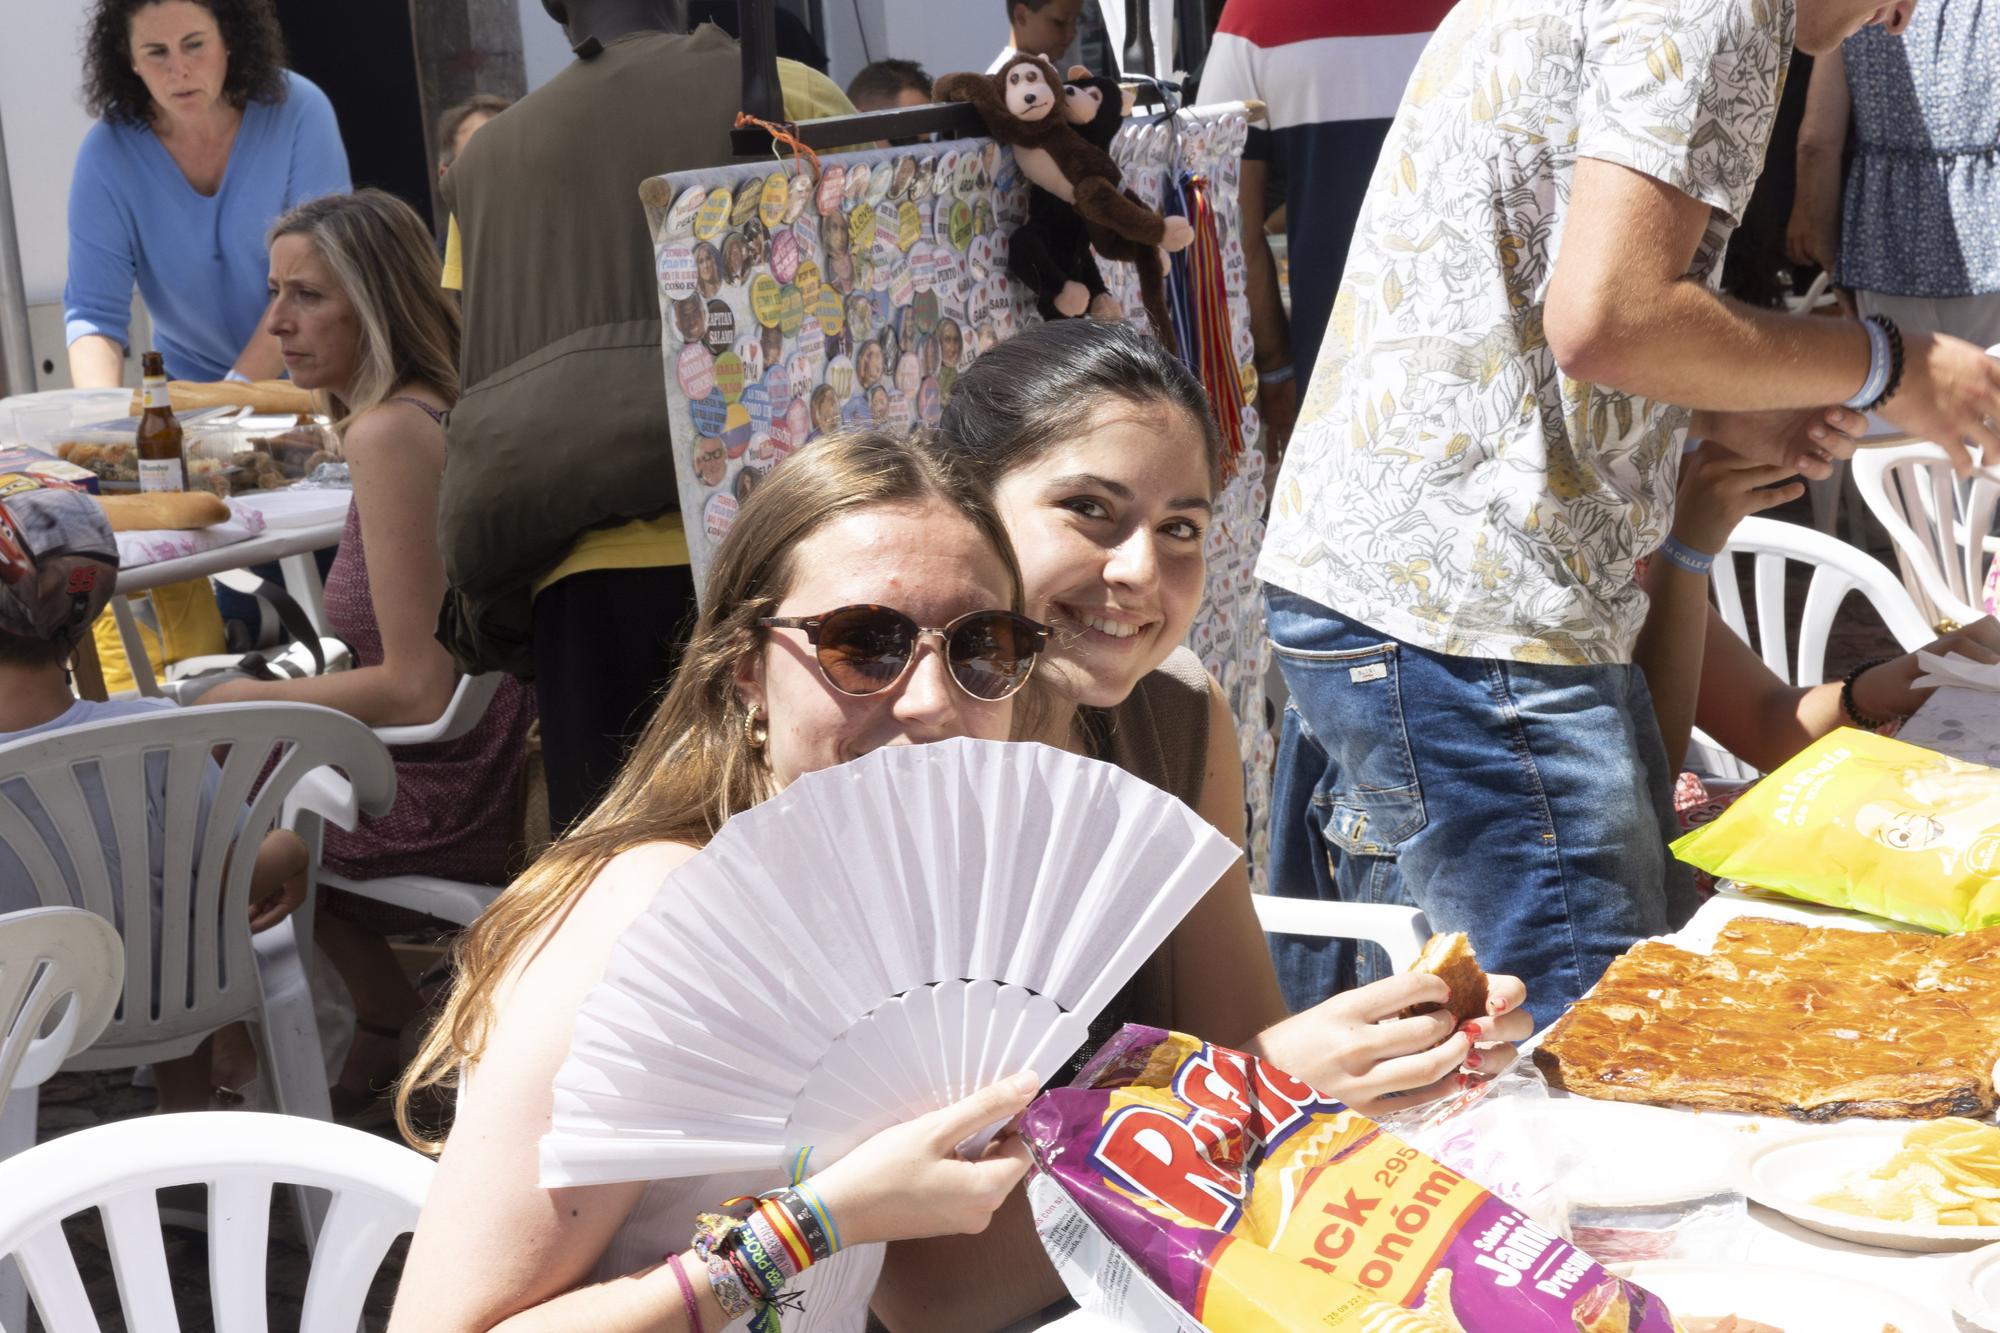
x=798 y=301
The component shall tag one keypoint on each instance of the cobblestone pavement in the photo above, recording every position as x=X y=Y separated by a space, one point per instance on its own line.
x=74 y=1101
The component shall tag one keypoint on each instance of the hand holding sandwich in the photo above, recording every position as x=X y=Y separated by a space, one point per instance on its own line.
x=1403 y=1041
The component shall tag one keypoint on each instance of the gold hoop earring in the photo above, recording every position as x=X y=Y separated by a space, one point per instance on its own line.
x=754 y=735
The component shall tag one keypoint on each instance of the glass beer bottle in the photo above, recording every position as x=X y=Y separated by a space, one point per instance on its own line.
x=162 y=466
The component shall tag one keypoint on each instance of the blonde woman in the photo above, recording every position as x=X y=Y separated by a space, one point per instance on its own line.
x=872 y=539
x=356 y=309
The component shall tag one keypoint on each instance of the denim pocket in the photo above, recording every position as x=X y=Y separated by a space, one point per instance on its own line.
x=1351 y=701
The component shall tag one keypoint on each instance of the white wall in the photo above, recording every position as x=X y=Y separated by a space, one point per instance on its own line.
x=942 y=35
x=41 y=109
x=544 y=48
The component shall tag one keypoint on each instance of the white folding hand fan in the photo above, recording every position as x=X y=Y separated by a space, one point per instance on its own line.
x=879 y=940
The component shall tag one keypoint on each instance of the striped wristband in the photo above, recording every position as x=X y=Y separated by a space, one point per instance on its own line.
x=1686 y=557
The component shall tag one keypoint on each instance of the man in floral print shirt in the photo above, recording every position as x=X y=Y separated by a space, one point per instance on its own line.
x=1526 y=334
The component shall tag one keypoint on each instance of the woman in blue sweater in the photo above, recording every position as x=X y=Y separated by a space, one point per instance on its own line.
x=204 y=139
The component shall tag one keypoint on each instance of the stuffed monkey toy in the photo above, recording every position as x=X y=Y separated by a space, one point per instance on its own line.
x=1023 y=106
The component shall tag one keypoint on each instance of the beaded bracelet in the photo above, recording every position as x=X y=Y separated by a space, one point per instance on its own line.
x=1847 y=705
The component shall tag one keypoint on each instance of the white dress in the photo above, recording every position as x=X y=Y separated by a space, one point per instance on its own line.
x=835 y=1292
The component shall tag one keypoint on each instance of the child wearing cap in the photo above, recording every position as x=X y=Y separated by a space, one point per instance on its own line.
x=58 y=565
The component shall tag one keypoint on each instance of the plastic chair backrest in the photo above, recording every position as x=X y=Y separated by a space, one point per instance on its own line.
x=461 y=713
x=1401 y=931
x=1942 y=527
x=378 y=1189
x=1838 y=569
x=52 y=956
x=200 y=972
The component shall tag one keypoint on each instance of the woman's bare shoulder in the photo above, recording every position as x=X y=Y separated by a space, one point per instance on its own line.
x=571 y=951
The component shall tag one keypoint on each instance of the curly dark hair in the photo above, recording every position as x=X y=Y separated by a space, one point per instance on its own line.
x=113 y=90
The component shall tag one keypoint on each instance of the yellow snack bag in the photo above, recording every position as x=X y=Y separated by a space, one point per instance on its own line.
x=1862 y=821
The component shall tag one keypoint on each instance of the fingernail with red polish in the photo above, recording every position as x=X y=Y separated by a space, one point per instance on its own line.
x=1472 y=1059
x=1473 y=1030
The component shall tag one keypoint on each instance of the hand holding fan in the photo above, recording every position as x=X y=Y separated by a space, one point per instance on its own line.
x=877 y=941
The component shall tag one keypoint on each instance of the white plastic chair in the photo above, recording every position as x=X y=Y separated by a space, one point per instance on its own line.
x=1839 y=569
x=1401 y=931
x=378 y=1188
x=1942 y=527
x=61 y=972
x=326 y=795
x=205 y=969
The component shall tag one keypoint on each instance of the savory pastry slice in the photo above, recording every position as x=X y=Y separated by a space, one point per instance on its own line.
x=1449 y=955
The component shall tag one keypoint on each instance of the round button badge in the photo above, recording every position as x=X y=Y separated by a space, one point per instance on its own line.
x=676 y=267
x=832 y=189
x=714 y=215
x=718 y=515
x=709 y=414
x=721 y=333
x=680 y=217
x=729 y=377
x=764 y=299
x=695 y=369
x=711 y=460
x=771 y=205
x=784 y=256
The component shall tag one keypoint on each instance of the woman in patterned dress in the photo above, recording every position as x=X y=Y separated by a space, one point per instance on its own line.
x=357 y=310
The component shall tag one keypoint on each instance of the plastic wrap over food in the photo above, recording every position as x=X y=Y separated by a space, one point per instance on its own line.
x=1183 y=1186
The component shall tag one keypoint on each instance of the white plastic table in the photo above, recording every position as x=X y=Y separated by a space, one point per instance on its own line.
x=1705 y=1146
x=300 y=523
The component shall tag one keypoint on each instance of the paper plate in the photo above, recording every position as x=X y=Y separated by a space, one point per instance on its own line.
x=1788 y=1298
x=1975 y=1288
x=1788 y=1174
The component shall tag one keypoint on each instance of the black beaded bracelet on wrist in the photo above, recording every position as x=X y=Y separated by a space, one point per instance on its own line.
x=1895 y=336
x=1854 y=714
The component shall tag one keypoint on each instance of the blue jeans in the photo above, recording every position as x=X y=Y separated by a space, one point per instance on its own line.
x=1529 y=806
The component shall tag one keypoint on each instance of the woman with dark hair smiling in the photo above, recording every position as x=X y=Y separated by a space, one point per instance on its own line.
x=203 y=139
x=1103 y=462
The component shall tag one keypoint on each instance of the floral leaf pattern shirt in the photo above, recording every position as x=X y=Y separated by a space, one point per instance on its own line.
x=1447 y=484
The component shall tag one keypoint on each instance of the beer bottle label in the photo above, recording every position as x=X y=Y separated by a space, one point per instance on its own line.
x=156 y=394
x=162 y=474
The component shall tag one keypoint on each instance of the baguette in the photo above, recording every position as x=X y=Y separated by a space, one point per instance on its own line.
x=150 y=511
x=1450 y=956
x=273 y=396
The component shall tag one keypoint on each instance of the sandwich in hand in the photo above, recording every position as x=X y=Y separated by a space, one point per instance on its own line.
x=1449 y=955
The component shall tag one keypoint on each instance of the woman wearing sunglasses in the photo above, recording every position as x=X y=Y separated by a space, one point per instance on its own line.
x=1103 y=461
x=866 y=596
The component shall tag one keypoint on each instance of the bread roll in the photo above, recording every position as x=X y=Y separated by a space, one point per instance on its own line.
x=148 y=511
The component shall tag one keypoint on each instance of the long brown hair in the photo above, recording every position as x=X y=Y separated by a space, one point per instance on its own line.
x=380 y=253
x=694 y=767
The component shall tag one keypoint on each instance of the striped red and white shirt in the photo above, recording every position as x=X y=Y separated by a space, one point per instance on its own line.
x=1331 y=73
